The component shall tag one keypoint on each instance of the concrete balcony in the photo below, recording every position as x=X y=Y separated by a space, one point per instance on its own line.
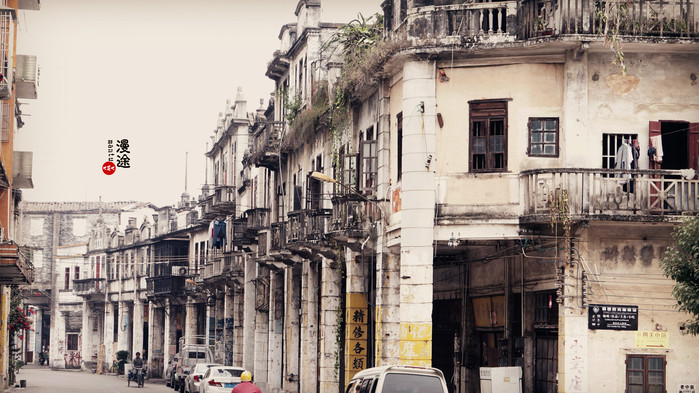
x=222 y=268
x=352 y=219
x=90 y=288
x=265 y=149
x=609 y=194
x=15 y=265
x=224 y=200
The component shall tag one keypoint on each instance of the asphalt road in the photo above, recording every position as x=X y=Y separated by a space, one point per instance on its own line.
x=45 y=380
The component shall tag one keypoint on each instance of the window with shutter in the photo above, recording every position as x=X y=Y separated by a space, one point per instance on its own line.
x=488 y=136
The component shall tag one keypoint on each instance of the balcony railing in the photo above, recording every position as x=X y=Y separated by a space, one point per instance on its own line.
x=353 y=217
x=635 y=18
x=473 y=21
x=278 y=240
x=223 y=266
x=224 y=200
x=296 y=230
x=15 y=264
x=258 y=219
x=89 y=286
x=503 y=21
x=610 y=192
x=265 y=150
x=242 y=235
x=308 y=225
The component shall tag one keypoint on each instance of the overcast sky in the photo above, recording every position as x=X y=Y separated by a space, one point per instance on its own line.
x=155 y=72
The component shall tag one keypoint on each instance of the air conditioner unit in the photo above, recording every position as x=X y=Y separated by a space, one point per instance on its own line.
x=179 y=270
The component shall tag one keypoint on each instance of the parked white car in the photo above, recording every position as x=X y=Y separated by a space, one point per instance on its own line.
x=193 y=379
x=398 y=379
x=220 y=379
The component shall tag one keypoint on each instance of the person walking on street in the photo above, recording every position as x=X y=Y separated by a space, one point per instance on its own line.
x=246 y=385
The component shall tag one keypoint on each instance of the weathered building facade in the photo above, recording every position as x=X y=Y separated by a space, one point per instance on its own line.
x=18 y=76
x=497 y=191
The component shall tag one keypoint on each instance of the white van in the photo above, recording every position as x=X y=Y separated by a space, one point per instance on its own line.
x=398 y=379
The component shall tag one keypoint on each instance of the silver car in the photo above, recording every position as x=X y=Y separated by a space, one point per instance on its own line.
x=193 y=379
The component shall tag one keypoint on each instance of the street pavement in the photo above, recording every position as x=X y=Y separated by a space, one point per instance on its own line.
x=44 y=380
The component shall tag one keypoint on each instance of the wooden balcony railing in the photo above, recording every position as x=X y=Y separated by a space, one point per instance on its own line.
x=89 y=286
x=597 y=192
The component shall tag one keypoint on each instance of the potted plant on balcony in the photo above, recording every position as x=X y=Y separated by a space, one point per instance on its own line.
x=540 y=28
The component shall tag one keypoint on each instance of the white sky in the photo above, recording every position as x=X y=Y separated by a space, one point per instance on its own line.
x=156 y=72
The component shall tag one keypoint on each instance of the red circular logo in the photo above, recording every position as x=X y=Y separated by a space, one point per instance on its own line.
x=108 y=168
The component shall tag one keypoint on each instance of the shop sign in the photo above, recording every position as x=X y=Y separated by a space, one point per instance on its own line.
x=612 y=317
x=652 y=339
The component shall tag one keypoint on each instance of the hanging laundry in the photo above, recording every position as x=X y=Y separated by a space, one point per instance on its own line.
x=624 y=160
x=656 y=142
x=217 y=232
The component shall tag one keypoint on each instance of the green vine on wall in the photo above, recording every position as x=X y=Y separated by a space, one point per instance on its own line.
x=560 y=211
x=610 y=16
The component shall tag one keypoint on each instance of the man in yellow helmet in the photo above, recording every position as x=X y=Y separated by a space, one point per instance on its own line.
x=246 y=385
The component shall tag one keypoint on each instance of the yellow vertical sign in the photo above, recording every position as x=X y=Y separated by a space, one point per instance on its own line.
x=415 y=345
x=356 y=347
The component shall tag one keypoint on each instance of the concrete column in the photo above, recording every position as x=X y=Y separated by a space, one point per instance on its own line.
x=329 y=307
x=262 y=335
x=576 y=123
x=291 y=330
x=387 y=309
x=418 y=212
x=138 y=338
x=276 y=331
x=156 y=341
x=220 y=319
x=309 y=327
x=58 y=340
x=249 y=315
x=87 y=349
x=108 y=335
x=170 y=332
x=238 y=320
x=125 y=321
x=190 y=321
x=228 y=326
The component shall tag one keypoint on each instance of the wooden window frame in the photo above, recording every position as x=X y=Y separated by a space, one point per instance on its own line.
x=488 y=112
x=646 y=370
x=368 y=163
x=543 y=131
